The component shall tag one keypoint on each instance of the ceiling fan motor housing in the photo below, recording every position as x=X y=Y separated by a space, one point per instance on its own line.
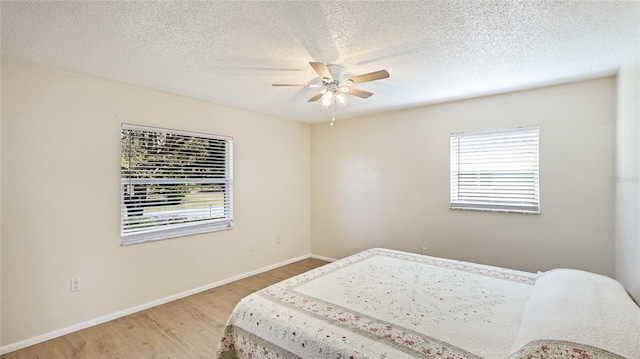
x=336 y=72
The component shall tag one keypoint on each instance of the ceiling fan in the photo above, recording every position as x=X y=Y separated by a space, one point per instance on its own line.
x=334 y=87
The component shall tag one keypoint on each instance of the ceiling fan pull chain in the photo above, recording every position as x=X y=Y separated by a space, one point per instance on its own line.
x=333 y=114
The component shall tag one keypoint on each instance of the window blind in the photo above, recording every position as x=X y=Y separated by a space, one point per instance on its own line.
x=173 y=183
x=496 y=170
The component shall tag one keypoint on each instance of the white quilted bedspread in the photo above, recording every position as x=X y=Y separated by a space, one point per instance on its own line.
x=388 y=304
x=383 y=304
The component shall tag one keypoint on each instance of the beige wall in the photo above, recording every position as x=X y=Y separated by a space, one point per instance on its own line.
x=628 y=173
x=384 y=181
x=60 y=199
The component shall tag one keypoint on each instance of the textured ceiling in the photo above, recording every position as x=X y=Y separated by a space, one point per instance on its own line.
x=231 y=52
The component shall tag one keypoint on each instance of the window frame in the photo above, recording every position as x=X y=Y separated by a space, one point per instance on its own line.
x=497 y=186
x=160 y=231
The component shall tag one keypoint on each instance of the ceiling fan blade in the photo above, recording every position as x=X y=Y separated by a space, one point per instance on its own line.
x=372 y=76
x=359 y=93
x=316 y=97
x=298 y=85
x=322 y=70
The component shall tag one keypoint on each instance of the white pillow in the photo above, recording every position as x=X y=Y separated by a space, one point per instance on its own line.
x=577 y=314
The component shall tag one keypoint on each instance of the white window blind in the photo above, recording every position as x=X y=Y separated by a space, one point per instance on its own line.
x=496 y=170
x=173 y=183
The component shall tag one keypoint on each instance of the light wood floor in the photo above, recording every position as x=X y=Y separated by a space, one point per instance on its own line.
x=185 y=328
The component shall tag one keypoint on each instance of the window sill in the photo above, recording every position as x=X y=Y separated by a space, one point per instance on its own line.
x=137 y=238
x=494 y=210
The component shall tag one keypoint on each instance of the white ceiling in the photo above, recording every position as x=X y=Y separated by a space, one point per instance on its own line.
x=231 y=52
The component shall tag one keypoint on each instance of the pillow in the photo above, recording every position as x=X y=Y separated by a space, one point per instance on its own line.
x=577 y=314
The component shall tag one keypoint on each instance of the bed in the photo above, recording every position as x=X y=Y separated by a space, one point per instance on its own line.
x=383 y=303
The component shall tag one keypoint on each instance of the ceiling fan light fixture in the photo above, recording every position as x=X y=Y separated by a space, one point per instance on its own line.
x=341 y=98
x=327 y=99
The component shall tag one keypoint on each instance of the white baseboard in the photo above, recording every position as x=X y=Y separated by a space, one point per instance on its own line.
x=90 y=323
x=327 y=259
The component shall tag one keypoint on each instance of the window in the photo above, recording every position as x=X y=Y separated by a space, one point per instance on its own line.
x=496 y=170
x=173 y=183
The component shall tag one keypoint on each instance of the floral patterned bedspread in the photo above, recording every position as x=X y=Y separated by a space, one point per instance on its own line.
x=389 y=304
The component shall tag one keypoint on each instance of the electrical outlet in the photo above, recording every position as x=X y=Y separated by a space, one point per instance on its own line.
x=424 y=251
x=252 y=246
x=279 y=239
x=75 y=284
